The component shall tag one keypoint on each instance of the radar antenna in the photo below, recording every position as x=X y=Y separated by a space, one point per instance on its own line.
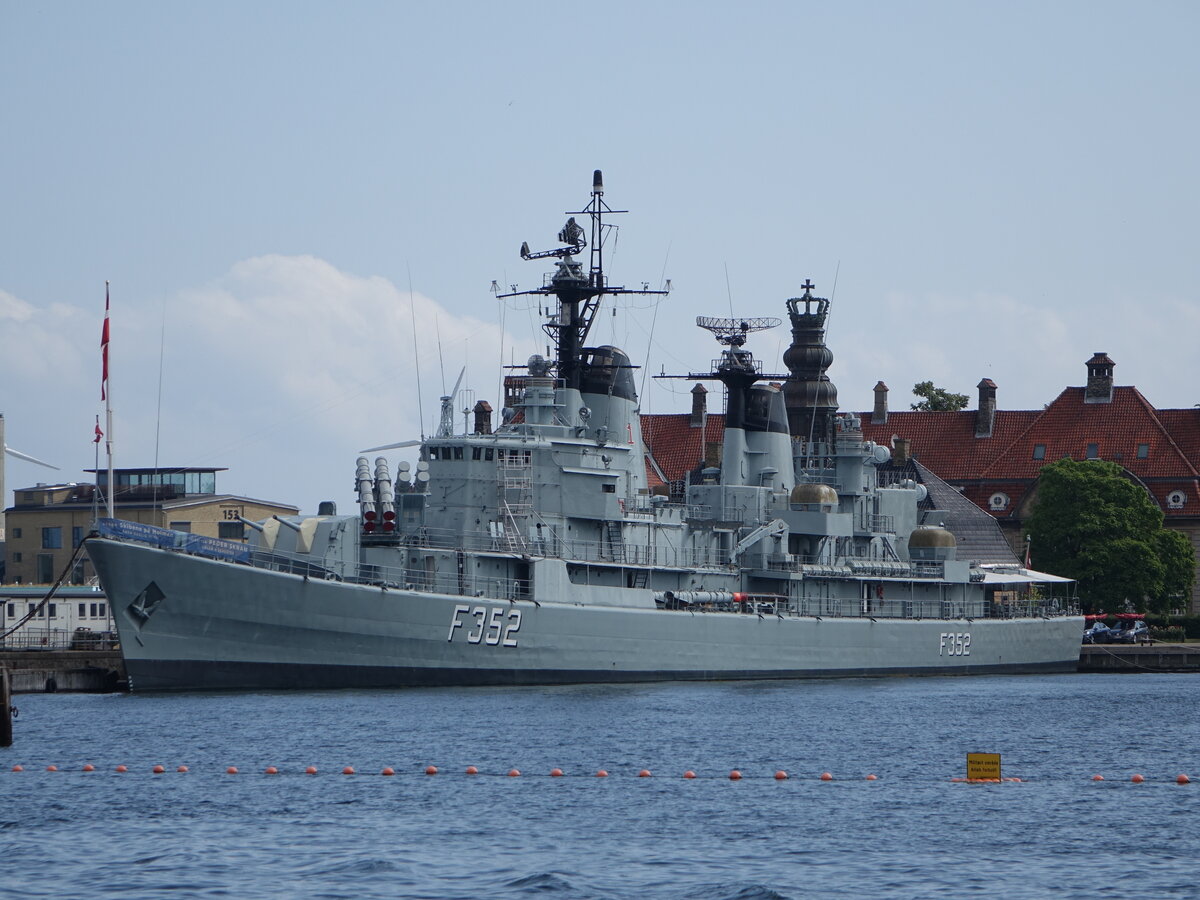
x=571 y=234
x=733 y=332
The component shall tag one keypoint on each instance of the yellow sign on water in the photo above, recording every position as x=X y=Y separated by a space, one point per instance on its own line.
x=983 y=766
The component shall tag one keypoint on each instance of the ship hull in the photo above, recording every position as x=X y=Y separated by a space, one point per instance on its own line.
x=193 y=623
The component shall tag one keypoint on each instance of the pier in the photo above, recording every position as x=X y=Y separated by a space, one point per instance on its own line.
x=1139 y=658
x=69 y=671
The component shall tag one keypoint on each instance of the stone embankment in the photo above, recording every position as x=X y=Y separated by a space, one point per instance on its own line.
x=76 y=671
x=1140 y=658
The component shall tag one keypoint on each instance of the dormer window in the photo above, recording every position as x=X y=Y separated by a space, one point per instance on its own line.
x=1093 y=451
x=1039 y=451
x=1143 y=451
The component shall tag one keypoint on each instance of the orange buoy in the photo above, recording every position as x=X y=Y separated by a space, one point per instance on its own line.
x=158 y=770
x=232 y=770
x=872 y=778
x=270 y=770
x=781 y=775
x=311 y=770
x=601 y=773
x=513 y=773
x=1097 y=778
x=122 y=768
x=1137 y=779
x=1182 y=779
x=645 y=773
x=349 y=770
x=825 y=776
x=471 y=770
x=388 y=770
x=689 y=774
x=735 y=775
x=18 y=768
x=556 y=773
x=88 y=767
x=182 y=769
x=431 y=770
x=51 y=768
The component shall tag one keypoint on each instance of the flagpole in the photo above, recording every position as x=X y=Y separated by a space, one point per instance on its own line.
x=96 y=464
x=107 y=392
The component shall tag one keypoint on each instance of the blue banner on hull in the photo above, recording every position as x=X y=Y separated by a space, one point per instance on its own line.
x=173 y=540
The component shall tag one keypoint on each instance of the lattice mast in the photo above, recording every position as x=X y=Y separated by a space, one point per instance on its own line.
x=578 y=294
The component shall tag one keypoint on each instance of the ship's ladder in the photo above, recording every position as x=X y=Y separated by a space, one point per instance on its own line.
x=614 y=542
x=515 y=488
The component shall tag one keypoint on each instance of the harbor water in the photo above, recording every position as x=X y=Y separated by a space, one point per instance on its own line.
x=912 y=832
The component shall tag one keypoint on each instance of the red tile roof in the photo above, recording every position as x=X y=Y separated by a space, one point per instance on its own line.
x=1005 y=462
x=945 y=442
x=675 y=445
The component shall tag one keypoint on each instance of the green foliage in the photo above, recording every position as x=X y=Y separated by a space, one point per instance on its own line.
x=938 y=399
x=1179 y=559
x=1190 y=625
x=1172 y=634
x=1096 y=526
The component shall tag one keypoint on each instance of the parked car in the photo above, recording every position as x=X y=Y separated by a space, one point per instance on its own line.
x=1097 y=634
x=1135 y=632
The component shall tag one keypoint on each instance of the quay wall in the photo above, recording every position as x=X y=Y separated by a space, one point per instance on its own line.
x=74 y=671
x=1139 y=658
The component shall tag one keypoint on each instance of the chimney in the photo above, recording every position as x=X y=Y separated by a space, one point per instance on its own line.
x=879 y=416
x=985 y=419
x=900 y=451
x=1100 y=379
x=699 y=406
x=483 y=417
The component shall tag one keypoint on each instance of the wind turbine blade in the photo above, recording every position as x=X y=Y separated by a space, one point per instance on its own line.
x=25 y=456
x=398 y=446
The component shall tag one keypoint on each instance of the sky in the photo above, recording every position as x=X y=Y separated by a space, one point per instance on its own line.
x=301 y=208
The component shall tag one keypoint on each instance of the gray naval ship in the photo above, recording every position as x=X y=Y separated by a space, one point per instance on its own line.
x=538 y=551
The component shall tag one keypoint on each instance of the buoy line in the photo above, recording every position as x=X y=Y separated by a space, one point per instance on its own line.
x=559 y=773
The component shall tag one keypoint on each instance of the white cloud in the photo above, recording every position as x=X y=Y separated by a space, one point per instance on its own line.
x=281 y=370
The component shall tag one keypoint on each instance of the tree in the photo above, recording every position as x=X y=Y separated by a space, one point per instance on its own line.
x=1179 y=557
x=938 y=399
x=1095 y=525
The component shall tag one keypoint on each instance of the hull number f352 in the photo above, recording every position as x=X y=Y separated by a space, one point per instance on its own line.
x=955 y=643
x=493 y=625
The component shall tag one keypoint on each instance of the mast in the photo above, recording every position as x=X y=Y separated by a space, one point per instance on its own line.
x=578 y=294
